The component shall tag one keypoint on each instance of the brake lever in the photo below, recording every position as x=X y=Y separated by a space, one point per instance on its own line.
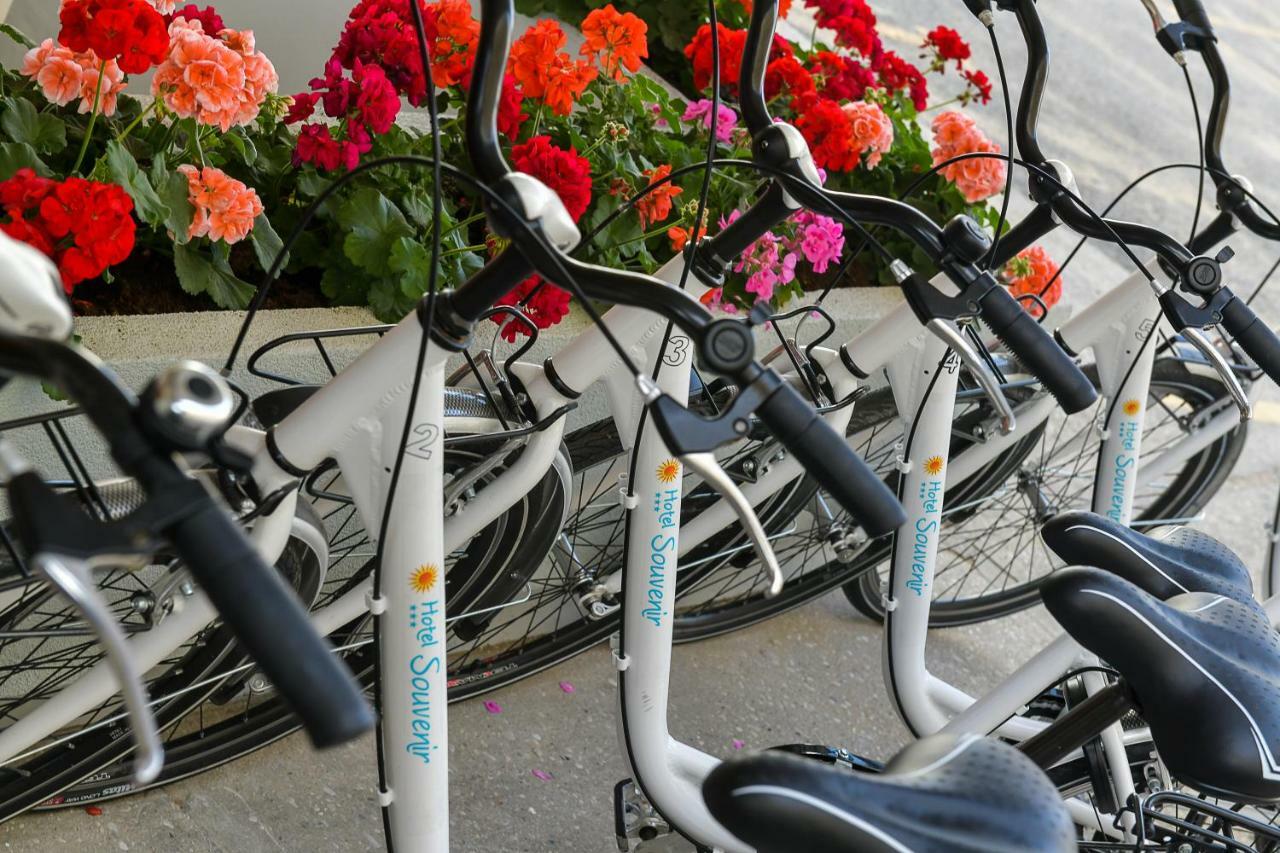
x=74 y=579
x=706 y=467
x=949 y=334
x=1223 y=369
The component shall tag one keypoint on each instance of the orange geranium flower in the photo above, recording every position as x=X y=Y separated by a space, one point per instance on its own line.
x=614 y=41
x=680 y=236
x=546 y=72
x=457 y=34
x=656 y=205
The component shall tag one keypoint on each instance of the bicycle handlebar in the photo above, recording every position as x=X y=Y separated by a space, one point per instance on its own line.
x=1066 y=208
x=1253 y=335
x=1037 y=351
x=253 y=600
x=271 y=623
x=824 y=454
x=1035 y=348
x=1201 y=39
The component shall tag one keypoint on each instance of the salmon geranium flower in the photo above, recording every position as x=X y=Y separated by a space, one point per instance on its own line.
x=977 y=178
x=655 y=206
x=546 y=72
x=872 y=130
x=64 y=75
x=221 y=81
x=614 y=41
x=225 y=209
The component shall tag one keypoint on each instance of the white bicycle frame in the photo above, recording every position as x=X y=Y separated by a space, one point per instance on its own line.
x=357 y=419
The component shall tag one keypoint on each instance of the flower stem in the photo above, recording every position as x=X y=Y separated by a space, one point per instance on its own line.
x=199 y=147
x=939 y=106
x=93 y=119
x=124 y=134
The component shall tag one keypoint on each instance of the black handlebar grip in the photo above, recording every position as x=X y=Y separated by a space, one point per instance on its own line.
x=1037 y=351
x=1254 y=336
x=828 y=458
x=271 y=624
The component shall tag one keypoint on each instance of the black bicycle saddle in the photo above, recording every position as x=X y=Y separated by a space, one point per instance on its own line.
x=1203 y=667
x=1181 y=560
x=943 y=793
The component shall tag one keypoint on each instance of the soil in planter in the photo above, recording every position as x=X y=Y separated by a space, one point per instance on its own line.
x=147 y=284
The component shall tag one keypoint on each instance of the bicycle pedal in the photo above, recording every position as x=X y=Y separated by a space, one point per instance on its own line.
x=638 y=828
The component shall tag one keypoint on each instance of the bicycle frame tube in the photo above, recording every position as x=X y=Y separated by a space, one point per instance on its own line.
x=411 y=626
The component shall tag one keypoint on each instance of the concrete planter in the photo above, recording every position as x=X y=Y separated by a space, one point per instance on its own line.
x=138 y=346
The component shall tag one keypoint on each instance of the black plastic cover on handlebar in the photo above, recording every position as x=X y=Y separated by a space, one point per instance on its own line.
x=271 y=624
x=828 y=458
x=1037 y=351
x=1253 y=335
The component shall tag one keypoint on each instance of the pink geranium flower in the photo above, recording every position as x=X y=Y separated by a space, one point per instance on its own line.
x=726 y=119
x=819 y=238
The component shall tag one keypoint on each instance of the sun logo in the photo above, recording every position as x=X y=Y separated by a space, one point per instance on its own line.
x=424 y=578
x=933 y=466
x=668 y=471
x=1132 y=407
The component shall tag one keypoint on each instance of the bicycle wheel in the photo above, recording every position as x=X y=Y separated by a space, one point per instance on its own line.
x=234 y=711
x=44 y=646
x=991 y=560
x=722 y=584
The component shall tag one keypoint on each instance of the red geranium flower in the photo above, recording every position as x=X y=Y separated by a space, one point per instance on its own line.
x=377 y=102
x=948 y=45
x=546 y=307
x=210 y=21
x=131 y=32
x=841 y=78
x=732 y=44
x=979 y=87
x=897 y=74
x=826 y=128
x=317 y=145
x=789 y=76
x=511 y=112
x=84 y=226
x=566 y=172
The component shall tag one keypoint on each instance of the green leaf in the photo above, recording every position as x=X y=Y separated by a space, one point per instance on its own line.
x=244 y=147
x=175 y=192
x=17 y=35
x=212 y=276
x=267 y=244
x=412 y=261
x=46 y=133
x=124 y=170
x=20 y=155
x=375 y=224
